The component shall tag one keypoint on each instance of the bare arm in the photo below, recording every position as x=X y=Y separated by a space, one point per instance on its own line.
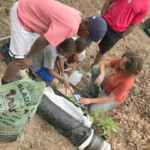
x=79 y=63
x=104 y=99
x=129 y=29
x=98 y=58
x=37 y=46
x=54 y=74
x=74 y=67
x=61 y=63
x=57 y=76
x=106 y=7
x=109 y=98
x=101 y=77
x=103 y=65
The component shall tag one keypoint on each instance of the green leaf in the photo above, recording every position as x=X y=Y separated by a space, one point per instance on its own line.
x=114 y=129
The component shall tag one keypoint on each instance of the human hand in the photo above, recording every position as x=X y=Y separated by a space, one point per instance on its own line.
x=26 y=62
x=99 y=80
x=73 y=69
x=85 y=101
x=66 y=82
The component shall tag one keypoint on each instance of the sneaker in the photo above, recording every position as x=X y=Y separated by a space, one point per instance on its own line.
x=4 y=53
x=0 y=81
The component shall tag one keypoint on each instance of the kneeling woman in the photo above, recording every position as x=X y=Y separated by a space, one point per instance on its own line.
x=116 y=86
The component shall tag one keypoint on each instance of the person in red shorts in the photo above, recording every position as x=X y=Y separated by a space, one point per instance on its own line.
x=116 y=86
x=122 y=17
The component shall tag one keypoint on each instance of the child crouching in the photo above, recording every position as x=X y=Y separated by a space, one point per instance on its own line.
x=43 y=62
x=73 y=61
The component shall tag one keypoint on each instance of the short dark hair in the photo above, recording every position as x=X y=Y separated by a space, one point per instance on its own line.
x=68 y=45
x=81 y=44
x=134 y=63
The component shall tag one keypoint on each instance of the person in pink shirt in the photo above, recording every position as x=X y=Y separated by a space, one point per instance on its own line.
x=122 y=16
x=35 y=24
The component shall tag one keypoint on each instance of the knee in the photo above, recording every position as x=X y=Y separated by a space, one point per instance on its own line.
x=95 y=70
x=94 y=110
x=97 y=108
x=91 y=109
x=54 y=82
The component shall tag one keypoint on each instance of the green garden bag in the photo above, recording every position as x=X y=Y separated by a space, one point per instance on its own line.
x=18 y=103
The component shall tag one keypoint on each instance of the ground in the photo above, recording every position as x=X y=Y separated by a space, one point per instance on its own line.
x=132 y=117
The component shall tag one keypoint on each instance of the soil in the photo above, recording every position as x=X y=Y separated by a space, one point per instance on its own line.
x=132 y=117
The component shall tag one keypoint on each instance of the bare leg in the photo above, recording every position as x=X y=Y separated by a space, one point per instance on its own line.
x=53 y=83
x=99 y=57
x=38 y=79
x=11 y=71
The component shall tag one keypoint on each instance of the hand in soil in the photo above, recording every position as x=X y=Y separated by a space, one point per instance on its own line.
x=66 y=82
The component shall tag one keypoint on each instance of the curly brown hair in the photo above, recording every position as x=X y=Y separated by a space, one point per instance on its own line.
x=134 y=63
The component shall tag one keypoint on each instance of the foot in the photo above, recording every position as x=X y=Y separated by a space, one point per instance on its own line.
x=2 y=81
x=4 y=55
